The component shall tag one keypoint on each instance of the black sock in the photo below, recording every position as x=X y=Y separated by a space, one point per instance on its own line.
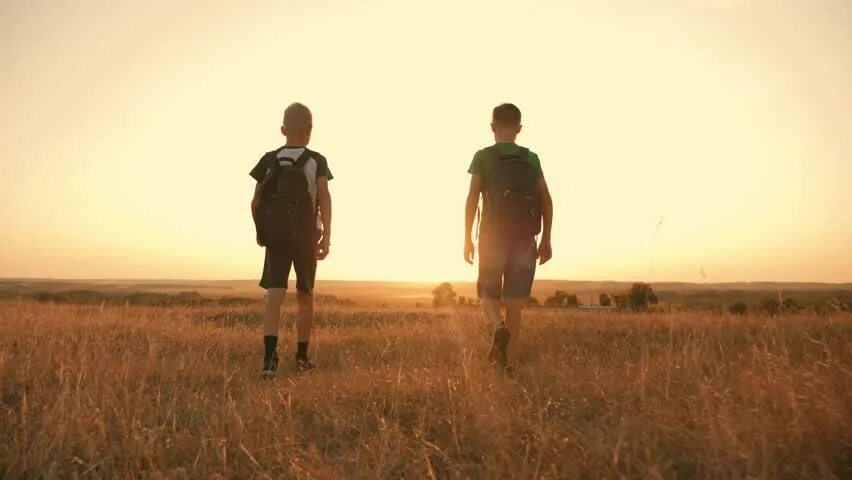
x=270 y=343
x=302 y=350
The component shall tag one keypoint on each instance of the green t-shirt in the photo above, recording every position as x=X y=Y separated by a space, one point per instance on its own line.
x=483 y=160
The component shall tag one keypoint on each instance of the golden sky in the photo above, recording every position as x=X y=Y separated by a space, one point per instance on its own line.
x=128 y=130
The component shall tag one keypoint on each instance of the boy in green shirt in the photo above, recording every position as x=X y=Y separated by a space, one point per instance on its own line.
x=516 y=207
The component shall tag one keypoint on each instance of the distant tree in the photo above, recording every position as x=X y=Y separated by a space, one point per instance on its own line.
x=555 y=300
x=604 y=299
x=640 y=297
x=562 y=299
x=738 y=308
x=462 y=301
x=620 y=301
x=533 y=302
x=443 y=295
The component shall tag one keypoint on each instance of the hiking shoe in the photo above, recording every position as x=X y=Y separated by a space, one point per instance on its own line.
x=304 y=365
x=500 y=348
x=270 y=367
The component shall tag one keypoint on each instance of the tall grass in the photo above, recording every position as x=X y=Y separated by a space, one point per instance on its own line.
x=175 y=392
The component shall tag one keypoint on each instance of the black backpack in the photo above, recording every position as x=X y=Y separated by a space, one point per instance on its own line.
x=286 y=211
x=510 y=201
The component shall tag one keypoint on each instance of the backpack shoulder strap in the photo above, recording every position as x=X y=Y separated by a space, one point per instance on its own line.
x=303 y=158
x=270 y=157
x=269 y=160
x=524 y=153
x=298 y=162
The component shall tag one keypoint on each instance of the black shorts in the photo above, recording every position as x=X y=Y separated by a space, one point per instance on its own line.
x=301 y=254
x=506 y=267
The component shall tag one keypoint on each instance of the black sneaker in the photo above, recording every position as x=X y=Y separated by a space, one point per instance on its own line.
x=270 y=367
x=304 y=365
x=500 y=348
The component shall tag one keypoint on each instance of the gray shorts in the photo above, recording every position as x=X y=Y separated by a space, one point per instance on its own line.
x=506 y=267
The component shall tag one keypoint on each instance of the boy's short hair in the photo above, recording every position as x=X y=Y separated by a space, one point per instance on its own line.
x=506 y=115
x=297 y=117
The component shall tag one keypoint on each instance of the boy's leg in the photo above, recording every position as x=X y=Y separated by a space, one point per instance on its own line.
x=306 y=268
x=305 y=318
x=489 y=286
x=271 y=324
x=276 y=269
x=272 y=311
x=520 y=272
x=491 y=309
x=514 y=306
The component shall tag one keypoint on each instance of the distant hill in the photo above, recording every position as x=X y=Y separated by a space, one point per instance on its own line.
x=420 y=292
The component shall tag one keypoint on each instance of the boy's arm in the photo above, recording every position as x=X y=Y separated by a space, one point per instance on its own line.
x=469 y=214
x=260 y=174
x=545 y=252
x=324 y=200
x=255 y=202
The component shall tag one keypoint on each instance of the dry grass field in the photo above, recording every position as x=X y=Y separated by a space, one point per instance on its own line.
x=143 y=392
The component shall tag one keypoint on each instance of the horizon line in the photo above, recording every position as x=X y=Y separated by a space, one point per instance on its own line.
x=166 y=279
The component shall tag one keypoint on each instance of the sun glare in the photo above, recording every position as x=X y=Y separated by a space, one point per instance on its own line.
x=715 y=126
